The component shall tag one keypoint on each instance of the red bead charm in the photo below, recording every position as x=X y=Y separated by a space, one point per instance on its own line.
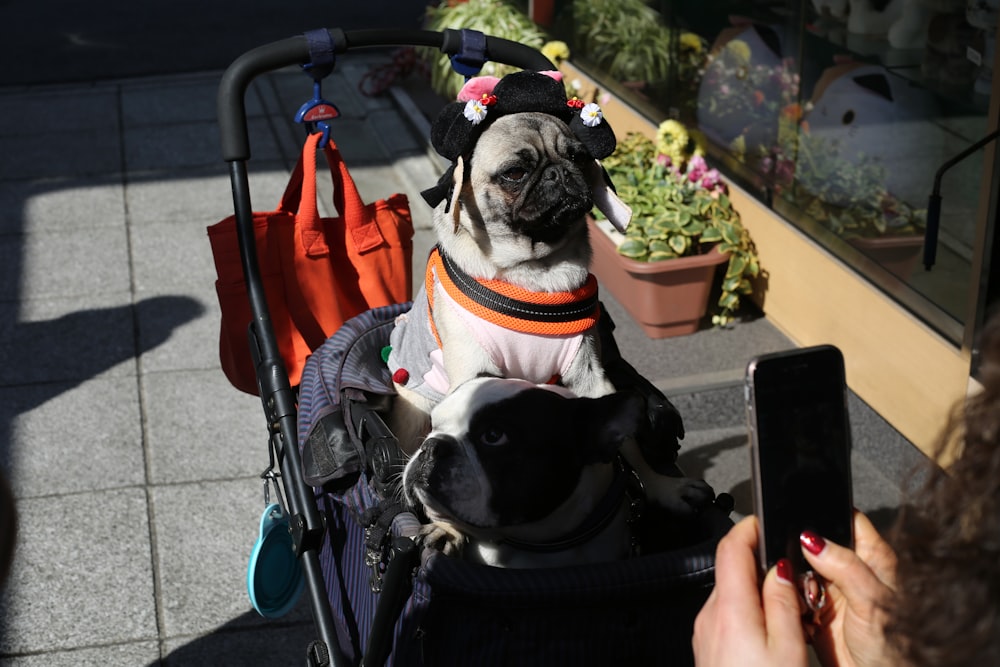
x=401 y=376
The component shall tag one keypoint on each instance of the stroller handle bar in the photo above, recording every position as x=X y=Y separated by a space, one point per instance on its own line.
x=295 y=50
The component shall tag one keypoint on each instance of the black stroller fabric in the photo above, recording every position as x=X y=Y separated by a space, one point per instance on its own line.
x=638 y=611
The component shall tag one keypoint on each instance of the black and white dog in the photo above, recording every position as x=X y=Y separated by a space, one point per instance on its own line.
x=525 y=475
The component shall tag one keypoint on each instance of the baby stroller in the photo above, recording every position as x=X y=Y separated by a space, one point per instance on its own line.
x=376 y=597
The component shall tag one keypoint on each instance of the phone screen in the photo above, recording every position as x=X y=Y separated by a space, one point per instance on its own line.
x=801 y=437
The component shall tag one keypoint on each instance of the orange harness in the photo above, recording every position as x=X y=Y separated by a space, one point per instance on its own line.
x=512 y=307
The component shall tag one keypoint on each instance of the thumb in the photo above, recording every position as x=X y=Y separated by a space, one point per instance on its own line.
x=842 y=567
x=783 y=613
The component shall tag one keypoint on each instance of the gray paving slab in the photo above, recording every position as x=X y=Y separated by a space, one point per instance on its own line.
x=68 y=263
x=175 y=146
x=278 y=643
x=133 y=653
x=199 y=428
x=395 y=136
x=168 y=101
x=59 y=205
x=58 y=153
x=174 y=256
x=59 y=109
x=83 y=573
x=175 y=332
x=200 y=195
x=67 y=339
x=204 y=535
x=67 y=438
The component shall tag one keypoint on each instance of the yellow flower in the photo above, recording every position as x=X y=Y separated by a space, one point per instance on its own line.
x=739 y=50
x=672 y=140
x=555 y=51
x=690 y=42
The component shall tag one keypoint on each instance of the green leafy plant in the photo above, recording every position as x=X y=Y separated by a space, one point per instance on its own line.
x=680 y=207
x=492 y=17
x=629 y=40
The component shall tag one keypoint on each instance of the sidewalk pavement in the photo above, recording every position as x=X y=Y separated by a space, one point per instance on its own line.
x=135 y=464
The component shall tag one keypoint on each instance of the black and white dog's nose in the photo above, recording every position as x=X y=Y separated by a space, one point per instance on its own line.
x=436 y=443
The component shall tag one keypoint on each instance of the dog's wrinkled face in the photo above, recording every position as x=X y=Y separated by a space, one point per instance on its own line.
x=508 y=452
x=525 y=190
x=530 y=169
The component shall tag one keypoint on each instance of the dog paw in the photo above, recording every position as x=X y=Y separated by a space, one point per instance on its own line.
x=681 y=495
x=444 y=537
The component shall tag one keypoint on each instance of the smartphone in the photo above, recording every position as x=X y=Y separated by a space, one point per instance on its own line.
x=800 y=445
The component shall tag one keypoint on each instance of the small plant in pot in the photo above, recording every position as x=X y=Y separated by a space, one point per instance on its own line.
x=680 y=208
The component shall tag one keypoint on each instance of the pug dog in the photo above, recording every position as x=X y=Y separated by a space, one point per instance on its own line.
x=508 y=291
x=515 y=474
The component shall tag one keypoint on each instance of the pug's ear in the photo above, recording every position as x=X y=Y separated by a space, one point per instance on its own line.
x=614 y=209
x=458 y=177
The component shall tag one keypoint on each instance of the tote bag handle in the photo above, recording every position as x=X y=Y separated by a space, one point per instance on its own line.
x=300 y=199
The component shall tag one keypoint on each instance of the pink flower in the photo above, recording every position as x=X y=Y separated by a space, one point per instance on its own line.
x=664 y=160
x=711 y=179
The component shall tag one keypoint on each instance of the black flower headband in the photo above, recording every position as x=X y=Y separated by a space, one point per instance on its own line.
x=484 y=99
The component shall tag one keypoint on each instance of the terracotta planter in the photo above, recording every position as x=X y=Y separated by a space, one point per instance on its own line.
x=898 y=254
x=666 y=298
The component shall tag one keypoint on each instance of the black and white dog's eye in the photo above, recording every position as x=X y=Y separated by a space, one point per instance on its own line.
x=493 y=437
x=514 y=174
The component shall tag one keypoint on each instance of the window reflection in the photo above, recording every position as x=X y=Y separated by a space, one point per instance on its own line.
x=834 y=114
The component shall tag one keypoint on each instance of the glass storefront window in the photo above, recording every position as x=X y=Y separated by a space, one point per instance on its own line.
x=833 y=113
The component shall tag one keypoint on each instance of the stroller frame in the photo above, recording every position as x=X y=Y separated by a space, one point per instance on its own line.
x=280 y=401
x=278 y=398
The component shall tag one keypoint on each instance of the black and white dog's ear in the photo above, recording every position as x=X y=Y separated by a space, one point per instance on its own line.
x=607 y=422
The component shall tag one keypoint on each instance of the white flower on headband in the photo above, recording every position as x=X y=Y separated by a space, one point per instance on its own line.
x=475 y=110
x=591 y=115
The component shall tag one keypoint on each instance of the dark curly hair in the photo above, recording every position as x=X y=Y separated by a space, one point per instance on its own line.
x=946 y=610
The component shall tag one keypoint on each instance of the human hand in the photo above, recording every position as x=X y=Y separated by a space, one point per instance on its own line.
x=858 y=583
x=741 y=624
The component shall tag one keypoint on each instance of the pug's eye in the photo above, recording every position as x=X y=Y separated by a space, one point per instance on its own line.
x=493 y=437
x=579 y=156
x=514 y=174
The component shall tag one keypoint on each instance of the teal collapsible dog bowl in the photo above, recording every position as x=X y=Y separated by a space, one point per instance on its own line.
x=274 y=575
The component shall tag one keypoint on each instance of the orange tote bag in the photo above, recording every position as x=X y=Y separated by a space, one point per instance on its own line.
x=317 y=272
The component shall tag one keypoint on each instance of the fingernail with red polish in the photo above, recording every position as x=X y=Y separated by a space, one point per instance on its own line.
x=783 y=568
x=812 y=542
